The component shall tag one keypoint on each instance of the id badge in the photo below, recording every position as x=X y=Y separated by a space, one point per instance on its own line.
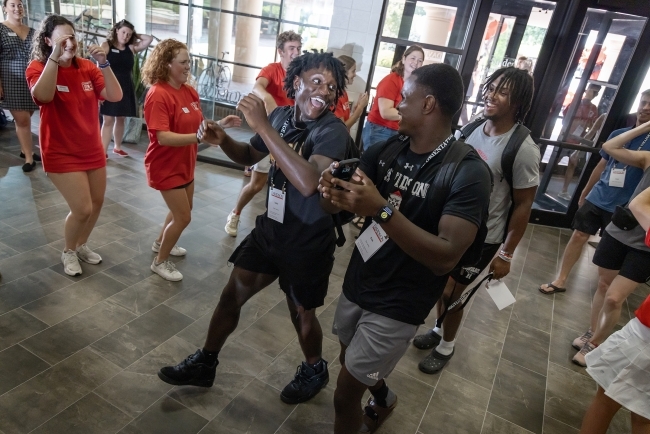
x=277 y=199
x=371 y=240
x=500 y=294
x=617 y=178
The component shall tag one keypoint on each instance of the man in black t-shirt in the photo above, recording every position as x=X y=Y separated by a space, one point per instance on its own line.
x=294 y=240
x=402 y=257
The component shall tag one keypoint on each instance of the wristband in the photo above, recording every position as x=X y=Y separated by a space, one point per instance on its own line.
x=505 y=256
x=55 y=61
x=104 y=65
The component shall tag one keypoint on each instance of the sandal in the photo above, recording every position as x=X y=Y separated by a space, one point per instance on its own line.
x=553 y=291
x=374 y=415
x=434 y=362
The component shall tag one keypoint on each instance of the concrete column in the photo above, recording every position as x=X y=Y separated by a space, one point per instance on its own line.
x=136 y=13
x=438 y=23
x=225 y=30
x=120 y=11
x=247 y=39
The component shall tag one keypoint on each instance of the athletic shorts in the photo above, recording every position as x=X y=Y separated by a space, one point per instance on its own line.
x=180 y=187
x=303 y=278
x=589 y=219
x=264 y=165
x=375 y=343
x=614 y=255
x=466 y=275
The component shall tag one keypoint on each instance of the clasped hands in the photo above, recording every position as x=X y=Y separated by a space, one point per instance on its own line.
x=359 y=196
x=213 y=133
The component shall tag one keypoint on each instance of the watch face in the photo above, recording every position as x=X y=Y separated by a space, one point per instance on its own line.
x=383 y=215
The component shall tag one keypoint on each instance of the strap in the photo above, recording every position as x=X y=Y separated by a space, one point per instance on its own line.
x=468 y=129
x=389 y=152
x=510 y=151
x=463 y=300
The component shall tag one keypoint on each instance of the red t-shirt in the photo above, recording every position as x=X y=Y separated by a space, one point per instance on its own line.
x=643 y=312
x=275 y=74
x=69 y=132
x=390 y=87
x=342 y=110
x=178 y=111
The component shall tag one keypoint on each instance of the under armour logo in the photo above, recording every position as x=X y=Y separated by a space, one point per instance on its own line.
x=408 y=166
x=382 y=163
x=373 y=376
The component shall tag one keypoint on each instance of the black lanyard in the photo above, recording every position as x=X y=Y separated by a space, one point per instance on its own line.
x=283 y=132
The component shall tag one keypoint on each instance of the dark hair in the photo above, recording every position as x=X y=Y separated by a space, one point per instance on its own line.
x=444 y=83
x=4 y=3
x=112 y=34
x=311 y=61
x=40 y=50
x=398 y=67
x=521 y=88
x=288 y=36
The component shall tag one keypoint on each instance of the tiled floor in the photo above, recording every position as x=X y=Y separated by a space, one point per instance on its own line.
x=80 y=355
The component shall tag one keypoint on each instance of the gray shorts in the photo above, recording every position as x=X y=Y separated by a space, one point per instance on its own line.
x=264 y=165
x=375 y=343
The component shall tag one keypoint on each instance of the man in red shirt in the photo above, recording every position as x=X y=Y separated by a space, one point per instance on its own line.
x=269 y=86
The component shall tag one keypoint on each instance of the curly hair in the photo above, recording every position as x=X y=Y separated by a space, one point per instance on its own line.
x=156 y=67
x=288 y=36
x=40 y=50
x=111 y=38
x=521 y=87
x=311 y=61
x=398 y=67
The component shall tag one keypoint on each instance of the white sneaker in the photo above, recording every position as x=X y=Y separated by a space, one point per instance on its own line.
x=232 y=223
x=564 y=195
x=167 y=270
x=85 y=254
x=176 y=251
x=71 y=263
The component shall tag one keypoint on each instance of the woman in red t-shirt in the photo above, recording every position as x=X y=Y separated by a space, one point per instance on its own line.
x=342 y=110
x=383 y=119
x=172 y=110
x=67 y=90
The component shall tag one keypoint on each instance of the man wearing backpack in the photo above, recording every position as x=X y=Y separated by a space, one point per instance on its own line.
x=294 y=239
x=514 y=158
x=425 y=196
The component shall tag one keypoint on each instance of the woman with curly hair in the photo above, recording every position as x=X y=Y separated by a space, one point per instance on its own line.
x=383 y=119
x=172 y=111
x=121 y=45
x=67 y=89
x=15 y=48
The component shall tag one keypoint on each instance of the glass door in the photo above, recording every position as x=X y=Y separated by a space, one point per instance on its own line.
x=591 y=80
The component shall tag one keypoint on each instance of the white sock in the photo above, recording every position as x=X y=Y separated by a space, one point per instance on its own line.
x=437 y=330
x=445 y=348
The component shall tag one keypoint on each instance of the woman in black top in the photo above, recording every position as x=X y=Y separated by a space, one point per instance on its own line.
x=121 y=45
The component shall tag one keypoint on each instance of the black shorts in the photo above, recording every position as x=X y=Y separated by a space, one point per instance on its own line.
x=633 y=264
x=183 y=186
x=303 y=278
x=466 y=275
x=589 y=219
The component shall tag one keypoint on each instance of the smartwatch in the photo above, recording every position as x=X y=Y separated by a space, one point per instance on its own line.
x=384 y=214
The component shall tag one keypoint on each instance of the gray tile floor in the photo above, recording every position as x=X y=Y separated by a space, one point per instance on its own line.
x=79 y=355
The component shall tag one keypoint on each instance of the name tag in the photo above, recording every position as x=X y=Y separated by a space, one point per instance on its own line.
x=62 y=88
x=114 y=50
x=371 y=240
x=185 y=110
x=277 y=199
x=617 y=178
x=11 y=34
x=500 y=294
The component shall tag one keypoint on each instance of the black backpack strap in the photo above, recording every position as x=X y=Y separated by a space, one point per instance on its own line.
x=468 y=129
x=508 y=156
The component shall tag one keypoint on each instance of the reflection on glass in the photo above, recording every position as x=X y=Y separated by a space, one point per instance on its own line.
x=309 y=12
x=164 y=20
x=312 y=38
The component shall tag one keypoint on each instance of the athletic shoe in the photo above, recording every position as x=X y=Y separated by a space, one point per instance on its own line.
x=71 y=263
x=580 y=341
x=87 y=255
x=167 y=270
x=579 y=358
x=306 y=384
x=232 y=224
x=176 y=251
x=564 y=195
x=427 y=341
x=120 y=152
x=193 y=371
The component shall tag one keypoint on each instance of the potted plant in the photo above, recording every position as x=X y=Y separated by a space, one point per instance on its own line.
x=133 y=126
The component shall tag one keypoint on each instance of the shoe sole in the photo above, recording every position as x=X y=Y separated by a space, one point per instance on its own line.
x=153 y=249
x=229 y=232
x=88 y=262
x=288 y=400
x=168 y=380
x=120 y=155
x=72 y=274
x=169 y=280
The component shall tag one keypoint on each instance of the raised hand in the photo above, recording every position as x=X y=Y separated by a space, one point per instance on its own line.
x=58 y=47
x=361 y=103
x=253 y=108
x=97 y=53
x=230 y=121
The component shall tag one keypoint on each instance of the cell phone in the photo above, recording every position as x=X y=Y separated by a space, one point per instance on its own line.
x=345 y=170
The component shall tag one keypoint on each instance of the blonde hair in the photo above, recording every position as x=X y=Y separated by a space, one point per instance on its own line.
x=156 y=67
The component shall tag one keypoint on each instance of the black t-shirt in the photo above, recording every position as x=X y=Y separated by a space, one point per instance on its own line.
x=392 y=283
x=307 y=228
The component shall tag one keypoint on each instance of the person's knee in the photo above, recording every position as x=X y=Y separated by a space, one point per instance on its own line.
x=580 y=236
x=22 y=120
x=258 y=182
x=614 y=300
x=83 y=211
x=120 y=120
x=183 y=219
x=109 y=121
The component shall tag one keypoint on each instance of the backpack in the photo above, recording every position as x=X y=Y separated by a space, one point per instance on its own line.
x=507 y=157
x=440 y=187
x=351 y=151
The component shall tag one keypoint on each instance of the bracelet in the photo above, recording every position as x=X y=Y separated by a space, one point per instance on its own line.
x=55 y=61
x=505 y=256
x=104 y=65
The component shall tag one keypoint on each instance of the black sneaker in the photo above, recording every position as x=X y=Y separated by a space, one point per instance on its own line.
x=306 y=384
x=190 y=372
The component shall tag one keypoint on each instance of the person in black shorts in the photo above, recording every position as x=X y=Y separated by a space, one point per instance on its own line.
x=294 y=240
x=388 y=292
